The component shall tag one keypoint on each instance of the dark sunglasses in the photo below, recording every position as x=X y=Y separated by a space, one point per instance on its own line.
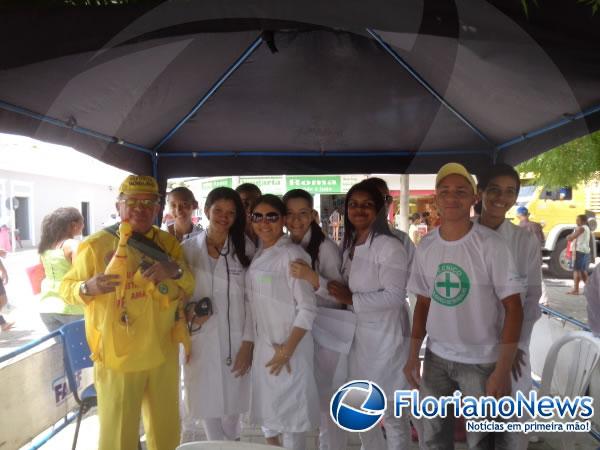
x=271 y=217
x=388 y=198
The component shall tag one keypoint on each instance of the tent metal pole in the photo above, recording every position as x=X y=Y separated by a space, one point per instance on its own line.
x=155 y=165
x=215 y=87
x=413 y=73
x=553 y=126
x=75 y=128
x=333 y=154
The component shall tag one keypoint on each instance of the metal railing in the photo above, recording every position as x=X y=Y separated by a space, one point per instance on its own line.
x=59 y=426
x=561 y=316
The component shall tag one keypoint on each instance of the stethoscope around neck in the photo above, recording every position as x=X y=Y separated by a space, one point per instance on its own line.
x=225 y=254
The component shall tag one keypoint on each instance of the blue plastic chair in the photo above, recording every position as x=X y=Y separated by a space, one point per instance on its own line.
x=76 y=354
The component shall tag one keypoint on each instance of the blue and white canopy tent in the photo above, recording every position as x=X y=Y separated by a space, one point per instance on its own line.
x=208 y=88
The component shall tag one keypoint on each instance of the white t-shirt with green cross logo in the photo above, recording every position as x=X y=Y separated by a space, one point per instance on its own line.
x=466 y=281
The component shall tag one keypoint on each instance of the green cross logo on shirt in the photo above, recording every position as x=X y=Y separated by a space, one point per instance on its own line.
x=451 y=285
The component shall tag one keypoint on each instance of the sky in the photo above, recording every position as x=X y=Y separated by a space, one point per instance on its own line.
x=23 y=154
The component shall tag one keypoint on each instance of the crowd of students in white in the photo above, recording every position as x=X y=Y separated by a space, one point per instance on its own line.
x=293 y=315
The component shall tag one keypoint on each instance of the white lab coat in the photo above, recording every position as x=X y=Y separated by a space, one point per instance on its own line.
x=210 y=389
x=592 y=295
x=333 y=328
x=287 y=402
x=377 y=277
x=527 y=256
x=333 y=332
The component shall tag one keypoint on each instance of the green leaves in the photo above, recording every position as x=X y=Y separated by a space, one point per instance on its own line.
x=595 y=4
x=571 y=163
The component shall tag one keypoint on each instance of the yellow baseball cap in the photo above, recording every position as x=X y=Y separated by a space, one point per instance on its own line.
x=455 y=169
x=139 y=184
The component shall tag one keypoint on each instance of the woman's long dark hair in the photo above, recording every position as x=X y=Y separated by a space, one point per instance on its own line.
x=236 y=232
x=56 y=227
x=316 y=233
x=379 y=226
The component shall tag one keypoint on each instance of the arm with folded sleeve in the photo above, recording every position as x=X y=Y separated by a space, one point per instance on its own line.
x=393 y=269
x=306 y=311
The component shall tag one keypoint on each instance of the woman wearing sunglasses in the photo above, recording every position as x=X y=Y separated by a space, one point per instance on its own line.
x=332 y=323
x=284 y=392
x=216 y=385
x=375 y=267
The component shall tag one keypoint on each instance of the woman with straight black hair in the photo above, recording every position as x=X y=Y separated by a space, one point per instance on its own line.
x=216 y=385
x=284 y=393
x=375 y=268
x=331 y=364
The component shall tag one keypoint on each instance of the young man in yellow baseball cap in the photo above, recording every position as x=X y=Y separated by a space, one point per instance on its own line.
x=463 y=276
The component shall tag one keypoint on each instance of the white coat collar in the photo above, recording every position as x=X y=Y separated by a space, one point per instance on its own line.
x=306 y=239
x=282 y=241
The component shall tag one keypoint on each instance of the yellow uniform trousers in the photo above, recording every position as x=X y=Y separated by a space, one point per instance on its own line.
x=121 y=396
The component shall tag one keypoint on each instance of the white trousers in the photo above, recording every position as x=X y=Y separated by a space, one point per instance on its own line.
x=331 y=437
x=397 y=432
x=331 y=372
x=294 y=441
x=227 y=428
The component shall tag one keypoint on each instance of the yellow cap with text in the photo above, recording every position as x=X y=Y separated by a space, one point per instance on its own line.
x=139 y=184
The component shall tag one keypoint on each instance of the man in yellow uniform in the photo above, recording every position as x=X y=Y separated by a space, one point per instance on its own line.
x=135 y=356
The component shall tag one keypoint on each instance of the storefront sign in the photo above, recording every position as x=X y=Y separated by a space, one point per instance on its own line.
x=219 y=182
x=320 y=184
x=267 y=185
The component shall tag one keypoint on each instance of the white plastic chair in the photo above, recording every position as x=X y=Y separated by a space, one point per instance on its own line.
x=223 y=445
x=581 y=364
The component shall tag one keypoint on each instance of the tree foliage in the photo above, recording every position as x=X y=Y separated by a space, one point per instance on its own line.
x=567 y=165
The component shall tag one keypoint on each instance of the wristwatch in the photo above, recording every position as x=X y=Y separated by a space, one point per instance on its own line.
x=179 y=273
x=83 y=289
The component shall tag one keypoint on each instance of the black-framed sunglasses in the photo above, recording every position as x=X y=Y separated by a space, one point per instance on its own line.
x=271 y=217
x=388 y=198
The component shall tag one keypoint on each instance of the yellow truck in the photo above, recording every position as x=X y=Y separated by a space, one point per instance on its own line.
x=556 y=209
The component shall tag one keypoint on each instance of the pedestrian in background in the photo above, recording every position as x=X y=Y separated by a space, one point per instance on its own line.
x=581 y=237
x=57 y=250
x=3 y=300
x=533 y=227
x=335 y=220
